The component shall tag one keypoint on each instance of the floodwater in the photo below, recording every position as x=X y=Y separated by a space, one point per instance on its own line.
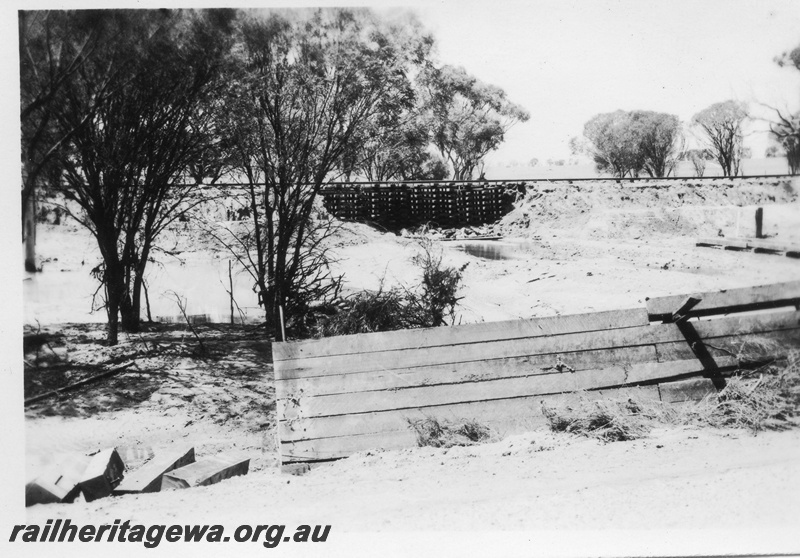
x=200 y=281
x=201 y=284
x=489 y=249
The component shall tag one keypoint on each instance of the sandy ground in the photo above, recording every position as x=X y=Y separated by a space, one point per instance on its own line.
x=655 y=489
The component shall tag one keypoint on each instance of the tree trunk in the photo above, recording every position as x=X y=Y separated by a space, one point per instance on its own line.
x=115 y=289
x=29 y=230
x=131 y=309
x=132 y=312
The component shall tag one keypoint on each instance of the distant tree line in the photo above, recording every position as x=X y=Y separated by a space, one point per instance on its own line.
x=786 y=129
x=636 y=143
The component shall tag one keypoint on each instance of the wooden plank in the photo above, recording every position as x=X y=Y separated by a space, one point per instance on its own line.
x=308 y=406
x=730 y=300
x=405 y=437
x=724 y=243
x=461 y=334
x=732 y=345
x=757 y=245
x=770 y=245
x=465 y=371
x=652 y=371
x=204 y=472
x=147 y=478
x=556 y=344
x=505 y=416
x=693 y=389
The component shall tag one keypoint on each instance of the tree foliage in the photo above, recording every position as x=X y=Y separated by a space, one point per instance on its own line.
x=53 y=46
x=308 y=86
x=118 y=106
x=395 y=150
x=786 y=129
x=722 y=125
x=773 y=151
x=630 y=143
x=468 y=118
x=133 y=114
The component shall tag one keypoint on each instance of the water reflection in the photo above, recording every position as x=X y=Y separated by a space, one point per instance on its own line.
x=489 y=249
x=202 y=283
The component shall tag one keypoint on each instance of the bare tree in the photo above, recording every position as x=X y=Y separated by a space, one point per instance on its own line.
x=722 y=125
x=123 y=161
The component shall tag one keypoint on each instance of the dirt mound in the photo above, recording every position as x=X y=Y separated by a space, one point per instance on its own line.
x=627 y=209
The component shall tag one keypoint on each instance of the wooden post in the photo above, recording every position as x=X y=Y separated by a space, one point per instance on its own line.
x=760 y=222
x=681 y=314
x=283 y=327
x=230 y=279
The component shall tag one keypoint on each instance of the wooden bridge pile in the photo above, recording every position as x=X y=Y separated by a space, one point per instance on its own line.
x=398 y=206
x=341 y=395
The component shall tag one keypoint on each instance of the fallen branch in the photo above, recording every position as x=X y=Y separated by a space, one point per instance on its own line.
x=78 y=384
x=182 y=306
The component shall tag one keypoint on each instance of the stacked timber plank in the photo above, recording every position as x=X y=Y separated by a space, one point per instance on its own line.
x=748 y=245
x=340 y=395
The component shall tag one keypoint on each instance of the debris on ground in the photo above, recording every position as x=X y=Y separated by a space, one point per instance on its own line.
x=72 y=477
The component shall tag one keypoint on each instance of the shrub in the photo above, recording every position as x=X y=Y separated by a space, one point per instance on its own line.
x=432 y=304
x=367 y=311
x=435 y=303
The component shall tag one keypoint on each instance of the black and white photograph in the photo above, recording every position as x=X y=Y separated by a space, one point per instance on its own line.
x=455 y=278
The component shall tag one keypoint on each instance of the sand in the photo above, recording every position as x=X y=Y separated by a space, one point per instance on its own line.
x=731 y=491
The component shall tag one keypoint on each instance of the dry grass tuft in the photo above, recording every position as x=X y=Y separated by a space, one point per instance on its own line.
x=606 y=419
x=433 y=432
x=770 y=401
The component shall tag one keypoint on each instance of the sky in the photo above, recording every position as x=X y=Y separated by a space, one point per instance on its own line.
x=566 y=61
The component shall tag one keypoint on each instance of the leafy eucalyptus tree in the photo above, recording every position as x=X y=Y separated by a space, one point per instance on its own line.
x=786 y=129
x=630 y=143
x=468 y=118
x=137 y=117
x=306 y=87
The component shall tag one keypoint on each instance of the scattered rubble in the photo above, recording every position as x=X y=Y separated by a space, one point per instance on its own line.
x=148 y=477
x=74 y=477
x=103 y=472
x=483 y=232
x=205 y=472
